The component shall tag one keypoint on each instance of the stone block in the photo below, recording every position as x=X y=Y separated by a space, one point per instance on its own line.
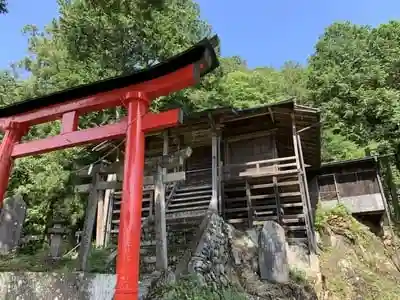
x=12 y=217
x=272 y=256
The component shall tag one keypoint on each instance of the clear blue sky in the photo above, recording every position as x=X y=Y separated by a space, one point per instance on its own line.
x=264 y=32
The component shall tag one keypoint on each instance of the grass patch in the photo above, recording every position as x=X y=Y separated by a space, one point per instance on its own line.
x=190 y=288
x=354 y=261
x=322 y=216
x=37 y=260
x=298 y=276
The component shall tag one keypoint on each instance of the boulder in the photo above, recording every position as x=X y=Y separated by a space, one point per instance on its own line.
x=12 y=217
x=272 y=255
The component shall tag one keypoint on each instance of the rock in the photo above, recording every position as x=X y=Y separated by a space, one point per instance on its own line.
x=226 y=257
x=272 y=259
x=253 y=235
x=12 y=217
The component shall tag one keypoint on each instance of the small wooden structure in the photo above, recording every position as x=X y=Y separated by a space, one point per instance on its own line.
x=249 y=165
x=354 y=183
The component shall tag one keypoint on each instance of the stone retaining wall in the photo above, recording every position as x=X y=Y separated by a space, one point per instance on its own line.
x=60 y=286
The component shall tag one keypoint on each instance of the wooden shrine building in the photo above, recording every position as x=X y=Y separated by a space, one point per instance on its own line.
x=353 y=183
x=249 y=165
x=356 y=184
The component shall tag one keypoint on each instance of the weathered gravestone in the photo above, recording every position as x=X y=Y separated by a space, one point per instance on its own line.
x=12 y=217
x=57 y=233
x=272 y=256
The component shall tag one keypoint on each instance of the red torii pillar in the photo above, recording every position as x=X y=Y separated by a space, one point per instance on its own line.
x=137 y=98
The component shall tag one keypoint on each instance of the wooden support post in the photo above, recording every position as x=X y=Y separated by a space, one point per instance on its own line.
x=385 y=204
x=100 y=218
x=108 y=208
x=336 y=188
x=392 y=187
x=277 y=199
x=220 y=173
x=304 y=175
x=310 y=235
x=279 y=209
x=90 y=216
x=214 y=168
x=160 y=221
x=249 y=205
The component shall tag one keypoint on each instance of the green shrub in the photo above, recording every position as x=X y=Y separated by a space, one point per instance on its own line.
x=190 y=288
x=322 y=215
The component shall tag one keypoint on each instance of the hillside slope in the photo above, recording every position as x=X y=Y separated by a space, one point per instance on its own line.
x=354 y=262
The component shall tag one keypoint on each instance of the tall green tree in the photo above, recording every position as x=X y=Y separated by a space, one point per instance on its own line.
x=3 y=7
x=89 y=41
x=353 y=80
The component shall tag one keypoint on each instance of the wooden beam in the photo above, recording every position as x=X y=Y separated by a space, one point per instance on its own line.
x=336 y=188
x=147 y=180
x=271 y=114
x=304 y=176
x=277 y=199
x=214 y=170
x=170 y=161
x=392 y=187
x=166 y=161
x=90 y=216
x=160 y=221
x=275 y=184
x=108 y=204
x=220 y=172
x=95 y=135
x=250 y=211
x=100 y=218
x=382 y=191
x=310 y=235
x=153 y=89
x=252 y=135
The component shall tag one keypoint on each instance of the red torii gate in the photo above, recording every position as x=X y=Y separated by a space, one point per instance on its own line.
x=135 y=91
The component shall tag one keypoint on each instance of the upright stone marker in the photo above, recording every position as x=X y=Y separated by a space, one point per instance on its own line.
x=57 y=232
x=12 y=217
x=272 y=256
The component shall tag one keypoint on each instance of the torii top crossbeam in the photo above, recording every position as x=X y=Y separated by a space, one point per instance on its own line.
x=135 y=92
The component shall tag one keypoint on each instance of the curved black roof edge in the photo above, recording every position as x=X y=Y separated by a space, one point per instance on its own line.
x=202 y=51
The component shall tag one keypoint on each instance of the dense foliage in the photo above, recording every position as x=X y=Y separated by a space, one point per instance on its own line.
x=352 y=77
x=3 y=7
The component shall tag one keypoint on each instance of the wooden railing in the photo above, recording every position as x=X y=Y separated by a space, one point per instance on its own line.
x=269 y=167
x=198 y=176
